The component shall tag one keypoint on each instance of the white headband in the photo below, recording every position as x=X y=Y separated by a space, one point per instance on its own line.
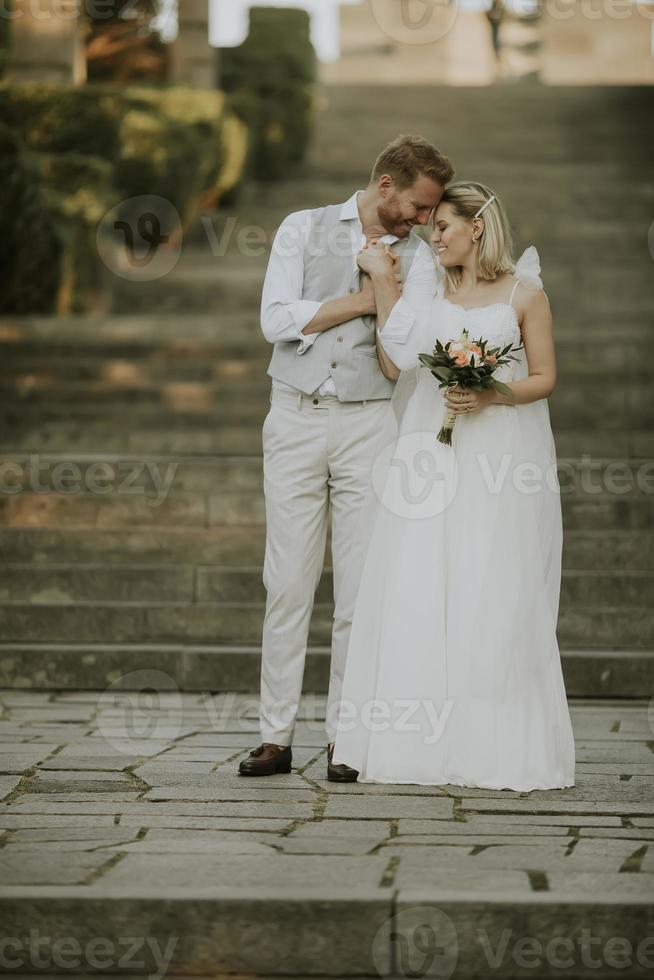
x=484 y=206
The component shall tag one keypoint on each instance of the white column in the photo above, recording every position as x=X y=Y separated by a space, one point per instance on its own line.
x=46 y=42
x=194 y=60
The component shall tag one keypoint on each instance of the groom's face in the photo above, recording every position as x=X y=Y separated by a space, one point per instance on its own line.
x=400 y=210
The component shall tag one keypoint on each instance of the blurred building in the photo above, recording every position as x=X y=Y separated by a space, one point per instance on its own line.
x=451 y=42
x=448 y=42
x=229 y=22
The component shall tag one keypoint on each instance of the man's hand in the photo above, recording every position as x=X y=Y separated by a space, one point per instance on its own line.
x=378 y=260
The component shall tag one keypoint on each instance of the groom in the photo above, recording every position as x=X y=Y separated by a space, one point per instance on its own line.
x=329 y=397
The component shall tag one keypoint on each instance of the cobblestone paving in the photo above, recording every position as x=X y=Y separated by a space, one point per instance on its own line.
x=107 y=789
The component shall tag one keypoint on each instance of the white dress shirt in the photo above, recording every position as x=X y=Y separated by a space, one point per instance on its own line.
x=284 y=314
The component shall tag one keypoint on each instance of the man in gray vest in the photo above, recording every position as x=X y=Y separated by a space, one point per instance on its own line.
x=329 y=397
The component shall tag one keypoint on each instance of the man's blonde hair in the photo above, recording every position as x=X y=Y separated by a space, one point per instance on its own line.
x=409 y=157
x=495 y=249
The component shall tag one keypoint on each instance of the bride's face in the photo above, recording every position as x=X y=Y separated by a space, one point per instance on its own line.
x=452 y=237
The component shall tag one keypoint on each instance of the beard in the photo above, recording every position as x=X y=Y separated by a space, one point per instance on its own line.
x=390 y=216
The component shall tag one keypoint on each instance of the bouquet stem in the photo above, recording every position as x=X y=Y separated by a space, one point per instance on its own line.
x=445 y=435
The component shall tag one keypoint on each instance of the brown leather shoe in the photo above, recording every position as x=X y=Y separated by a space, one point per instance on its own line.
x=267 y=760
x=340 y=773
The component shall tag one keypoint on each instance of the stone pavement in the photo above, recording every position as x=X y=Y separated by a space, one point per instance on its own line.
x=127 y=806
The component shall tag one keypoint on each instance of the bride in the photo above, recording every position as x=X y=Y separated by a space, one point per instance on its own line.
x=453 y=674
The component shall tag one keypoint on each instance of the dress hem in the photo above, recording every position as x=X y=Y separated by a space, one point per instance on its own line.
x=449 y=782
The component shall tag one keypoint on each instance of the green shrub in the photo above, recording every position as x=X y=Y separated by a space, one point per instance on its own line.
x=171 y=144
x=79 y=152
x=78 y=191
x=59 y=119
x=270 y=80
x=5 y=40
x=30 y=250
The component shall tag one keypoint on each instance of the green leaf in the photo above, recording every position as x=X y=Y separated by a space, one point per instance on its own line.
x=502 y=388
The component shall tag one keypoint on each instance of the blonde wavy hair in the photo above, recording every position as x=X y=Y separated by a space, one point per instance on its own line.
x=495 y=251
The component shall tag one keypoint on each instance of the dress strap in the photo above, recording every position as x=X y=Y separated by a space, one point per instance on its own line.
x=515 y=286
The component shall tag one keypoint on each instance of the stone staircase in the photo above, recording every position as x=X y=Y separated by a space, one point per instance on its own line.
x=157 y=564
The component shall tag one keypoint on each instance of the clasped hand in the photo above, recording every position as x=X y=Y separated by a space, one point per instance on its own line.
x=377 y=259
x=461 y=401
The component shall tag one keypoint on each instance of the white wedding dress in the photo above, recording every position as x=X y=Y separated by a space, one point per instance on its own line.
x=453 y=673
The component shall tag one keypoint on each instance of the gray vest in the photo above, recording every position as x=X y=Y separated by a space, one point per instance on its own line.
x=347 y=352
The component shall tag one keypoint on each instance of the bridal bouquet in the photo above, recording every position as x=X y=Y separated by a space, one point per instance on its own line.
x=468 y=364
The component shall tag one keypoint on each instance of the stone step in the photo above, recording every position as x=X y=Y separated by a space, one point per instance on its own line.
x=151 y=507
x=75 y=437
x=587 y=476
x=576 y=116
x=588 y=403
x=194 y=666
x=241 y=544
x=353 y=923
x=146 y=332
x=232 y=283
x=53 y=583
x=248 y=361
x=587 y=625
x=188 y=298
x=202 y=405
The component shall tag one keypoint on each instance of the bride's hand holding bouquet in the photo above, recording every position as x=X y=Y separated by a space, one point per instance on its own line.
x=466 y=369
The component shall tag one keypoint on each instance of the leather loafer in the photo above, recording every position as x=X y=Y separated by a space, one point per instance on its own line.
x=339 y=773
x=267 y=760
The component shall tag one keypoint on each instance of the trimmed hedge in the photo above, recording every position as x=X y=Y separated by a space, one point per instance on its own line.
x=60 y=119
x=165 y=141
x=85 y=150
x=30 y=251
x=173 y=144
x=5 y=40
x=270 y=79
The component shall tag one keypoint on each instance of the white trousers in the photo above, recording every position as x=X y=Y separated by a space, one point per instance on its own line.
x=316 y=450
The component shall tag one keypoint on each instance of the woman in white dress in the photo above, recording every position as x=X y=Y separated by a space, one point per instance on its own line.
x=453 y=673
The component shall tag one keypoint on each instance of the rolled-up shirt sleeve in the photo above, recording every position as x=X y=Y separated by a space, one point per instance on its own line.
x=284 y=314
x=407 y=330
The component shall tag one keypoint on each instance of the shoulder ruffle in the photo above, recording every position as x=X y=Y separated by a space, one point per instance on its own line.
x=527 y=268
